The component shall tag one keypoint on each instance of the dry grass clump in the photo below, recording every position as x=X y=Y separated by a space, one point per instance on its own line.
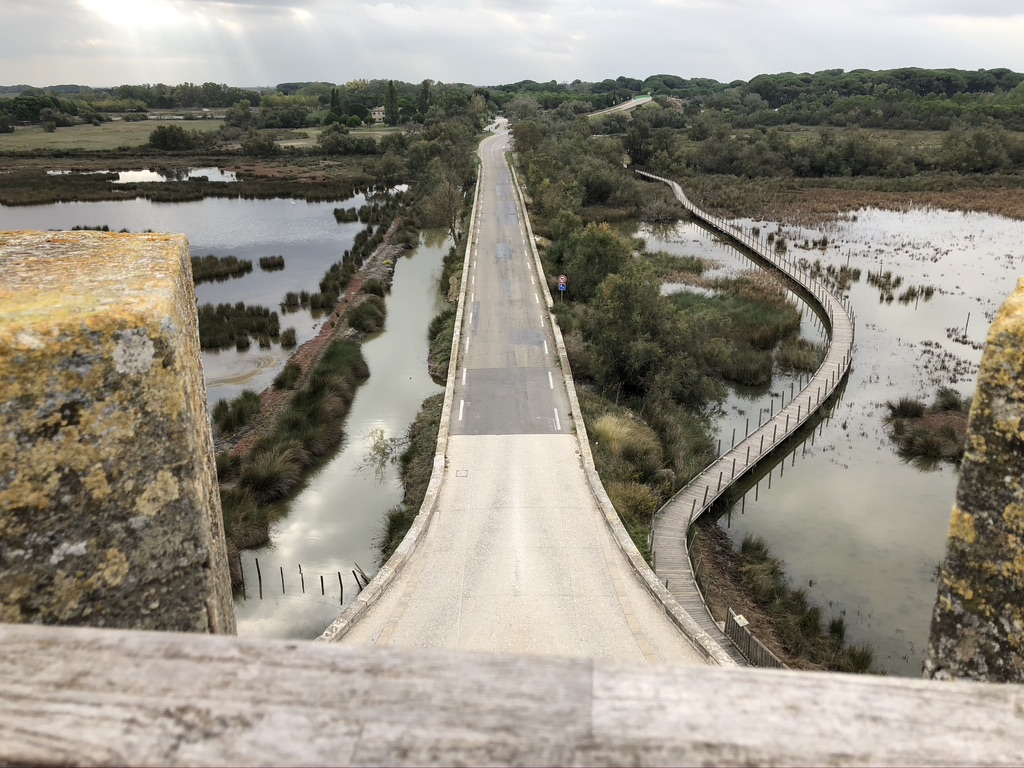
x=926 y=436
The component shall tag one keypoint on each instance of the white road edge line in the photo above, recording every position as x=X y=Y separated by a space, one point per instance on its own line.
x=463 y=402
x=558 y=424
x=536 y=298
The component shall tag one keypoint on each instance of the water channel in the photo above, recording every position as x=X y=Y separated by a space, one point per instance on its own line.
x=857 y=527
x=333 y=523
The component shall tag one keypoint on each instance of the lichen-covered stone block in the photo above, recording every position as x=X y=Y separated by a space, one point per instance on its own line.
x=978 y=622
x=109 y=506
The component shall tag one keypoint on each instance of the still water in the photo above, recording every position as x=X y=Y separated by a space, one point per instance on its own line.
x=333 y=524
x=306 y=234
x=862 y=531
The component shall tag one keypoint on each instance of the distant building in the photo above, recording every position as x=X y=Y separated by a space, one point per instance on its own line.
x=377 y=113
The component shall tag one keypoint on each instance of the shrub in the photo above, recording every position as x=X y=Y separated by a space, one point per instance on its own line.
x=288 y=340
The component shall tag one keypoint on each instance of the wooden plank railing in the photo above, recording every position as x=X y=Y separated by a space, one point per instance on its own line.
x=672 y=522
x=752 y=648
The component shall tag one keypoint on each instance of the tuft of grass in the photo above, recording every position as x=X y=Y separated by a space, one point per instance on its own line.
x=631 y=445
x=230 y=416
x=368 y=316
x=904 y=408
x=274 y=471
x=288 y=376
x=800 y=355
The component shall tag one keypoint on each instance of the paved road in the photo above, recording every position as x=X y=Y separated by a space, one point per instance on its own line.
x=517 y=557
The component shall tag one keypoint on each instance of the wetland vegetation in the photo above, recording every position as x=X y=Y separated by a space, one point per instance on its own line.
x=799 y=151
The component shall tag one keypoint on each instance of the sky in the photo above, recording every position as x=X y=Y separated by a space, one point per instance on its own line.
x=489 y=42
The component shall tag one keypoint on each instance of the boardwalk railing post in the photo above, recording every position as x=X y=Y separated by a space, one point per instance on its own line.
x=259 y=576
x=341 y=588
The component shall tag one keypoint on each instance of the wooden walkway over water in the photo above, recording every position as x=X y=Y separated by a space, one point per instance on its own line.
x=671 y=523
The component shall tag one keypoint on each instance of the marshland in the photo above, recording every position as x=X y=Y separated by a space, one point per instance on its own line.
x=909 y=204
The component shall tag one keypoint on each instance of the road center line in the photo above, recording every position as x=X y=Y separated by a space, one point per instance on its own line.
x=471 y=318
x=463 y=377
x=558 y=424
x=463 y=402
x=472 y=297
x=546 y=347
x=551 y=385
x=536 y=298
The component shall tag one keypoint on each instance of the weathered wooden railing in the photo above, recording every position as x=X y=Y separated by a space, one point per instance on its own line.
x=752 y=648
x=673 y=520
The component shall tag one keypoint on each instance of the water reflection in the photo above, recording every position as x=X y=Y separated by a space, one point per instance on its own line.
x=333 y=523
x=861 y=530
x=305 y=234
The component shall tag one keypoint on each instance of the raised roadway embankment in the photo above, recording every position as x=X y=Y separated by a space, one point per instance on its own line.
x=516 y=548
x=669 y=533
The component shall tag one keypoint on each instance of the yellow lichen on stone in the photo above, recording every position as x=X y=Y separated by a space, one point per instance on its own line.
x=158 y=494
x=95 y=481
x=112 y=572
x=961 y=587
x=961 y=526
x=1014 y=516
x=103 y=422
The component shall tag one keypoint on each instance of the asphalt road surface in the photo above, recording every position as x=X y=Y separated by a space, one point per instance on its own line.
x=517 y=557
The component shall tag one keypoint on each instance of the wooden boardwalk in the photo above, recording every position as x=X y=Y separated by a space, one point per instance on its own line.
x=672 y=521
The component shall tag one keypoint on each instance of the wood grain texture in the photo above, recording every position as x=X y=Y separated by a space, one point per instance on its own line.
x=109 y=697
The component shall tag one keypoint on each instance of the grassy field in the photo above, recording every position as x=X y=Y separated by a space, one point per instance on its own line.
x=106 y=136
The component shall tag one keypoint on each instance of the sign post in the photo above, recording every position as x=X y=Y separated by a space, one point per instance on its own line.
x=561 y=286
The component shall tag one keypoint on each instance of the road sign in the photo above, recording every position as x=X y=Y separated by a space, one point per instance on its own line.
x=562 y=280
x=561 y=286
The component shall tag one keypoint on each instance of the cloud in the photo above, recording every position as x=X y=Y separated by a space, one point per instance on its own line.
x=488 y=42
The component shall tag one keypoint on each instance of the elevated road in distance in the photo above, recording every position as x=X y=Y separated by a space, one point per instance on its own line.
x=517 y=557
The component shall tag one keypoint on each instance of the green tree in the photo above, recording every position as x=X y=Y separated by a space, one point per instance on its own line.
x=391 y=104
x=643 y=348
x=444 y=199
x=423 y=100
x=591 y=255
x=174 y=137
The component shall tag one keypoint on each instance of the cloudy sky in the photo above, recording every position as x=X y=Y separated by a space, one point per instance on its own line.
x=488 y=42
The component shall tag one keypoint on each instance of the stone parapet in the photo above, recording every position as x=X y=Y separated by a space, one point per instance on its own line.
x=978 y=622
x=109 y=506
